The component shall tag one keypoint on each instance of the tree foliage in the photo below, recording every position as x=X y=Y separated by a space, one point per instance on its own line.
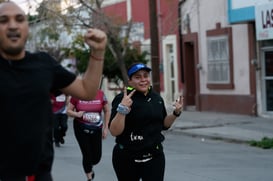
x=111 y=68
x=75 y=18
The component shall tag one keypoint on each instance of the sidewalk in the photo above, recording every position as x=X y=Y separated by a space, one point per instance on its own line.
x=229 y=127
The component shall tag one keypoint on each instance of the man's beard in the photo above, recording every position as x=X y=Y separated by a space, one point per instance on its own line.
x=13 y=51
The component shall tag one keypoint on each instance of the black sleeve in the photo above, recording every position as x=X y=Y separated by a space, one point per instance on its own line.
x=61 y=77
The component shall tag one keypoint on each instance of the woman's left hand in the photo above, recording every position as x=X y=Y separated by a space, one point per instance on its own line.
x=179 y=104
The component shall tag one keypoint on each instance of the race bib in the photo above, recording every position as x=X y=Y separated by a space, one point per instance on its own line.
x=91 y=117
x=60 y=98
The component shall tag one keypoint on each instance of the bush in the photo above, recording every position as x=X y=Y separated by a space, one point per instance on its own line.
x=265 y=143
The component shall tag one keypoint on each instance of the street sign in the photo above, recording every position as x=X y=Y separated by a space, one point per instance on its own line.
x=264 y=21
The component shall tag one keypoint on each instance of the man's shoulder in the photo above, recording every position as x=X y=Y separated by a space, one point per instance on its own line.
x=40 y=54
x=40 y=58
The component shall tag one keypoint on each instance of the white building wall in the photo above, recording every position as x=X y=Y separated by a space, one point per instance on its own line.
x=169 y=40
x=203 y=16
x=241 y=59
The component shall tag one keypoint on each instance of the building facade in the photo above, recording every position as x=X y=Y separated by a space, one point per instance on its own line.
x=226 y=69
x=258 y=13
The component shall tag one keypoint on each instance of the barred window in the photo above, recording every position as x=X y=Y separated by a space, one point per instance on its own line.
x=218 y=60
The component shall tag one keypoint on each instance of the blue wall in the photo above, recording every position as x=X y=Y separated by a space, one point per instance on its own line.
x=241 y=14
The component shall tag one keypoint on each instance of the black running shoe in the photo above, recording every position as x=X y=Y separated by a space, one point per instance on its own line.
x=62 y=141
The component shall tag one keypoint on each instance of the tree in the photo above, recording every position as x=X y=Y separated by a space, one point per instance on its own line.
x=111 y=68
x=45 y=31
x=154 y=44
x=118 y=46
x=77 y=17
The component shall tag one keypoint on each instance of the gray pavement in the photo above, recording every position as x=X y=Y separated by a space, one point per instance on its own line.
x=212 y=163
x=230 y=127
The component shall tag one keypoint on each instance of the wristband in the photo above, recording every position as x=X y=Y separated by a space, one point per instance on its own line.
x=97 y=58
x=176 y=114
x=123 y=109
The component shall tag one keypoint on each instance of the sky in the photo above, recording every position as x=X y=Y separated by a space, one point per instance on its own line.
x=28 y=6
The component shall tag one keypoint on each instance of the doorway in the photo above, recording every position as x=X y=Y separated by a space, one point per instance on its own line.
x=267 y=80
x=190 y=90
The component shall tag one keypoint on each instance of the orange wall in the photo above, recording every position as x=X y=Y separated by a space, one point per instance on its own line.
x=168 y=14
x=117 y=12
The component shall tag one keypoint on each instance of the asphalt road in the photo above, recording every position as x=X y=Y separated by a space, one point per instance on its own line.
x=187 y=159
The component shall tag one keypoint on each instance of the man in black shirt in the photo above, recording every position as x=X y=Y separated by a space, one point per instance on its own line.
x=26 y=81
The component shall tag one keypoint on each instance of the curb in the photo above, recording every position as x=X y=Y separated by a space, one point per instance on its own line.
x=211 y=137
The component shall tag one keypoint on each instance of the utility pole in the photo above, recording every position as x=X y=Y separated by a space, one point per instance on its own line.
x=154 y=45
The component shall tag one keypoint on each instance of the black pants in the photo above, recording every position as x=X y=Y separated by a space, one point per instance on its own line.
x=45 y=176
x=60 y=126
x=128 y=167
x=90 y=146
x=41 y=177
x=43 y=172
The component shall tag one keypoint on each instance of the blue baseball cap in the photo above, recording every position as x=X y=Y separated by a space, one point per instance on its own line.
x=136 y=67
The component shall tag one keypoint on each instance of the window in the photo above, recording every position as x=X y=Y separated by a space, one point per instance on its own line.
x=220 y=61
